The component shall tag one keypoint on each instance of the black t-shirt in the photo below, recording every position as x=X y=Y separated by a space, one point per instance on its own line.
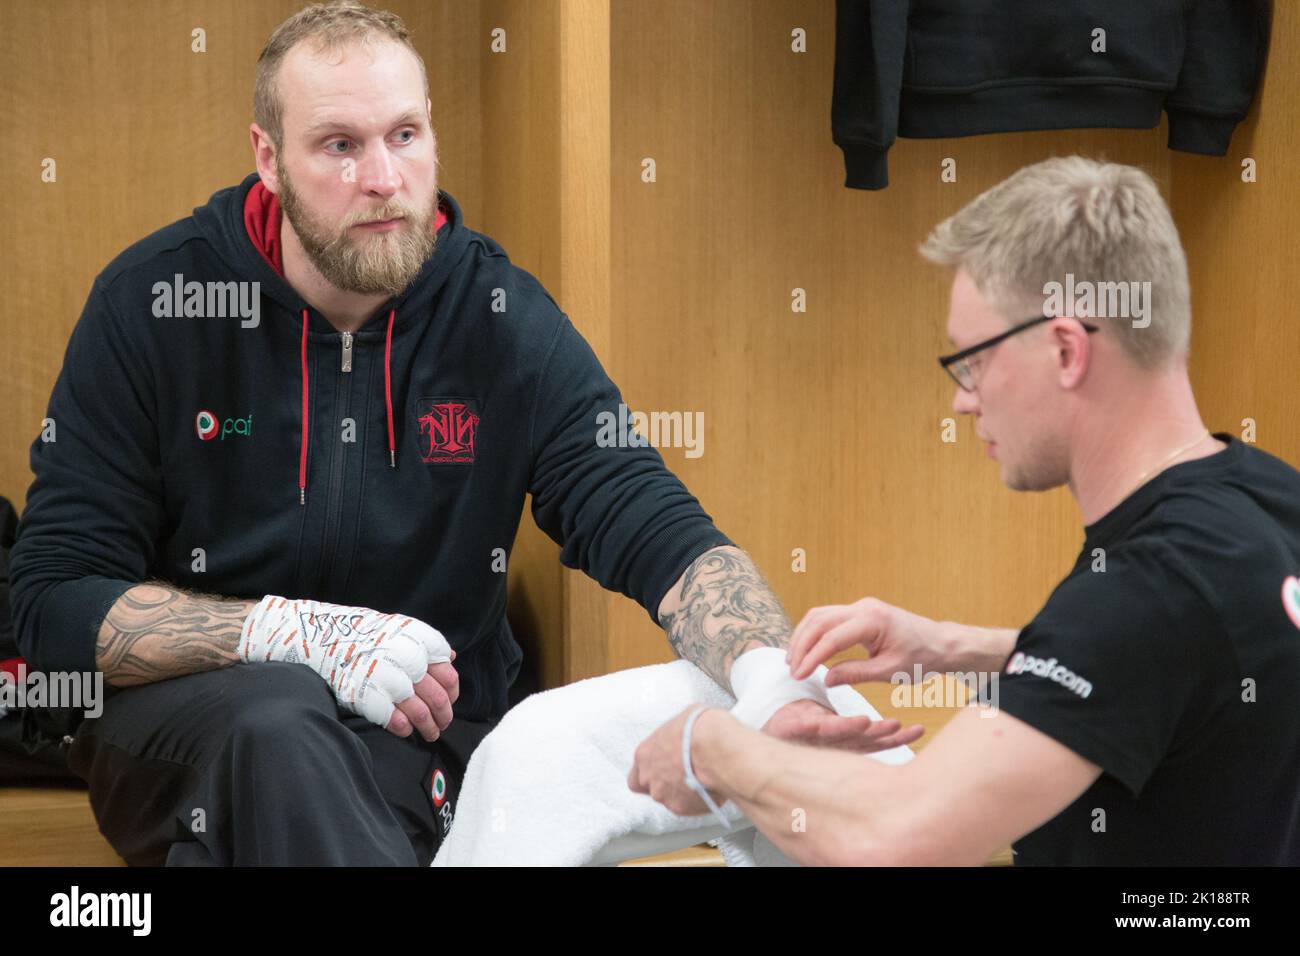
x=1176 y=669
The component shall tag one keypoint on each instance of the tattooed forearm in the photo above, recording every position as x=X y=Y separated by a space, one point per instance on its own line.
x=155 y=631
x=719 y=609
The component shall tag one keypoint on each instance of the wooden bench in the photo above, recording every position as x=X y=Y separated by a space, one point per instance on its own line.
x=51 y=826
x=54 y=826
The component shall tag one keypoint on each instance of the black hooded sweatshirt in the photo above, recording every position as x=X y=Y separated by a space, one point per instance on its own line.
x=938 y=68
x=243 y=458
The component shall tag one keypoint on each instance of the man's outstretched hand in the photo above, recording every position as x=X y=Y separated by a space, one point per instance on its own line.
x=808 y=722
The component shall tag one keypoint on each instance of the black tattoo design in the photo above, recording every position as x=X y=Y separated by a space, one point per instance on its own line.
x=722 y=609
x=156 y=631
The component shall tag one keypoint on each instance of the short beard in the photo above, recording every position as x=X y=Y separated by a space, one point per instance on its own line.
x=379 y=263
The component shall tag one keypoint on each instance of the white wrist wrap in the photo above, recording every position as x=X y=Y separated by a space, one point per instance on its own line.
x=762 y=684
x=370 y=660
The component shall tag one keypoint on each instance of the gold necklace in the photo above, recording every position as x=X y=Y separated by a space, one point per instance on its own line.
x=1200 y=438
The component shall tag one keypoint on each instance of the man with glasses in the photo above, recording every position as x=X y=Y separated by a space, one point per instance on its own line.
x=1146 y=714
x=961 y=365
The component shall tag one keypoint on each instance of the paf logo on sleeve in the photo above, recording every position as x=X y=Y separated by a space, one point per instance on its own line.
x=1291 y=598
x=1052 y=669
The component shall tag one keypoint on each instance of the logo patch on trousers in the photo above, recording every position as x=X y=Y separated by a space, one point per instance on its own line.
x=448 y=430
x=439 y=793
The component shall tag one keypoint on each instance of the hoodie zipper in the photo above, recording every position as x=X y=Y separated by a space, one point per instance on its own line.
x=343 y=388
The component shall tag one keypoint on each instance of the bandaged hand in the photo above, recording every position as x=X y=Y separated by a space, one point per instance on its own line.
x=373 y=662
x=761 y=682
x=770 y=699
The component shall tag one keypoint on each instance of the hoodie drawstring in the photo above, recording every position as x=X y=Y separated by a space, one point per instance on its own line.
x=388 y=404
x=302 y=451
x=388 y=388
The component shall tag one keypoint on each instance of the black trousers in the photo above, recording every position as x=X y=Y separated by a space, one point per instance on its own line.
x=257 y=765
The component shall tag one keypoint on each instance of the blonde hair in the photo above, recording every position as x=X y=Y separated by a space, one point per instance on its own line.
x=331 y=26
x=1100 y=222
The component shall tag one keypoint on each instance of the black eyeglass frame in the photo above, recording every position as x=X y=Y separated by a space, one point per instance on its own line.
x=947 y=361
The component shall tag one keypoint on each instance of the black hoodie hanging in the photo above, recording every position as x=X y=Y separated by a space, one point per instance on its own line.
x=940 y=68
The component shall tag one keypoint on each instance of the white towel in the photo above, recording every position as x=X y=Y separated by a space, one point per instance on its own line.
x=548 y=786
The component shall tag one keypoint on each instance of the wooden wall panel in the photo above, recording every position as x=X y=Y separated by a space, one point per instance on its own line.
x=1241 y=253
x=520 y=210
x=545 y=129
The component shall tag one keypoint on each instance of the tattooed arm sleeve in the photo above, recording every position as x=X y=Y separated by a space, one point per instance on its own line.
x=155 y=631
x=720 y=608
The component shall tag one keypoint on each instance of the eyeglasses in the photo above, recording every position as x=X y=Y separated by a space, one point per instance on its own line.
x=958 y=364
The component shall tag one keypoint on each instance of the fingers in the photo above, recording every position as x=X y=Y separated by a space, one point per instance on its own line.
x=419 y=717
x=860 y=671
x=377 y=708
x=883 y=735
x=435 y=699
x=376 y=701
x=447 y=677
x=858 y=734
x=398 y=725
x=899 y=739
x=841 y=732
x=437 y=649
x=840 y=633
x=813 y=625
x=681 y=802
x=427 y=710
x=424 y=701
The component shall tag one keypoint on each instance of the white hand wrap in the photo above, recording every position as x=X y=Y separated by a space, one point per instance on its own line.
x=763 y=685
x=370 y=660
